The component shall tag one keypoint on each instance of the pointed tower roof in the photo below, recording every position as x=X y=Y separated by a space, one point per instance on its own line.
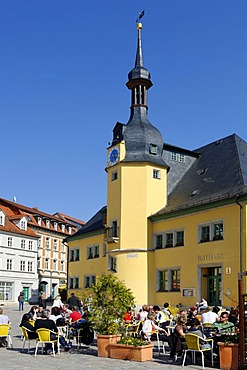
x=139 y=72
x=143 y=141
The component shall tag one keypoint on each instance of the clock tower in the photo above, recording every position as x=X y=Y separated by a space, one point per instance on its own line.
x=137 y=184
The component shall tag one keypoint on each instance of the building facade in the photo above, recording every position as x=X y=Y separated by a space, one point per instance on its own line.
x=174 y=228
x=49 y=252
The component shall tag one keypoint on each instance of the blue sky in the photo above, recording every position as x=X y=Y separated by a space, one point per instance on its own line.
x=63 y=69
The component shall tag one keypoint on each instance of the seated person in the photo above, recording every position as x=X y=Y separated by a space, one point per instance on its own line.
x=142 y=315
x=234 y=316
x=46 y=323
x=75 y=314
x=179 y=335
x=128 y=317
x=195 y=329
x=161 y=318
x=4 y=319
x=25 y=322
x=149 y=327
x=191 y=315
x=224 y=326
x=57 y=317
x=66 y=312
x=209 y=316
x=33 y=312
x=203 y=305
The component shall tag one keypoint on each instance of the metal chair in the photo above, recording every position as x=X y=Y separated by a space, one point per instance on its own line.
x=26 y=337
x=5 y=333
x=193 y=343
x=44 y=338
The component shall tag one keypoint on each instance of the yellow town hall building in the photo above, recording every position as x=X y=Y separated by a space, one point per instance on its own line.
x=174 y=228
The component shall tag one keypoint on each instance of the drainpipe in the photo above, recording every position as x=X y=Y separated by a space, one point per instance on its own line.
x=240 y=236
x=240 y=293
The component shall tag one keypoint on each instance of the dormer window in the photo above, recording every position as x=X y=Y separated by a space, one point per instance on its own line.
x=2 y=218
x=39 y=221
x=23 y=224
x=70 y=229
x=55 y=225
x=153 y=149
x=47 y=223
x=63 y=228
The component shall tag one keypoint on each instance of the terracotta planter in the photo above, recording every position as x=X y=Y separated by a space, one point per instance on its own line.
x=103 y=343
x=228 y=356
x=132 y=353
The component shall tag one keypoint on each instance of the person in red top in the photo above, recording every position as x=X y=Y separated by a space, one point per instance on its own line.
x=128 y=316
x=75 y=315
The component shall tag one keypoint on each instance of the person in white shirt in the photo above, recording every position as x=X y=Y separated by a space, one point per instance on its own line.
x=149 y=329
x=4 y=319
x=203 y=305
x=58 y=303
x=209 y=317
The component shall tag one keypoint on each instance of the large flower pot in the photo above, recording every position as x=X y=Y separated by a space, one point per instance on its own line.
x=103 y=342
x=228 y=356
x=132 y=353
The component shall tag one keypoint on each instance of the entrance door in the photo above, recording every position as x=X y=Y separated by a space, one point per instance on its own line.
x=214 y=286
x=26 y=293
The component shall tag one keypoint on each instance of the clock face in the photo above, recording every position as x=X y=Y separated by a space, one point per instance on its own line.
x=113 y=156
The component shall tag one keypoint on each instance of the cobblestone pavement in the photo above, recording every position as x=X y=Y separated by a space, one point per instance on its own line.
x=13 y=359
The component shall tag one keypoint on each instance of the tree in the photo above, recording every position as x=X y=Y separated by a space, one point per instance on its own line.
x=111 y=299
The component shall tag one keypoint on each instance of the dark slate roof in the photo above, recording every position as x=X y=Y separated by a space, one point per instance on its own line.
x=138 y=135
x=95 y=223
x=219 y=172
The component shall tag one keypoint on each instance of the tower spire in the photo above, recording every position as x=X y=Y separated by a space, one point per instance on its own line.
x=139 y=77
x=139 y=59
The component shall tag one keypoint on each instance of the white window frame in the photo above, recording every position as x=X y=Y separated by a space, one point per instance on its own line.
x=93 y=251
x=22 y=265
x=9 y=264
x=10 y=241
x=2 y=218
x=30 y=245
x=112 y=261
x=47 y=223
x=55 y=226
x=90 y=279
x=169 y=271
x=164 y=238
x=156 y=174
x=30 y=266
x=114 y=175
x=23 y=244
x=55 y=244
x=211 y=225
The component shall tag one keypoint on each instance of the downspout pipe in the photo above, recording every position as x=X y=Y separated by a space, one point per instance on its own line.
x=240 y=236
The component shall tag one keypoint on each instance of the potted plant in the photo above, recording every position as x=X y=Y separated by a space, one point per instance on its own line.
x=132 y=348
x=110 y=301
x=228 y=350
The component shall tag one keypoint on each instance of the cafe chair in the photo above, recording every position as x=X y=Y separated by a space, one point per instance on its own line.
x=193 y=344
x=44 y=338
x=26 y=338
x=5 y=333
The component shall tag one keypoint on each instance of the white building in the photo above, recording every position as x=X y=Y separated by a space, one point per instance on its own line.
x=18 y=257
x=33 y=255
